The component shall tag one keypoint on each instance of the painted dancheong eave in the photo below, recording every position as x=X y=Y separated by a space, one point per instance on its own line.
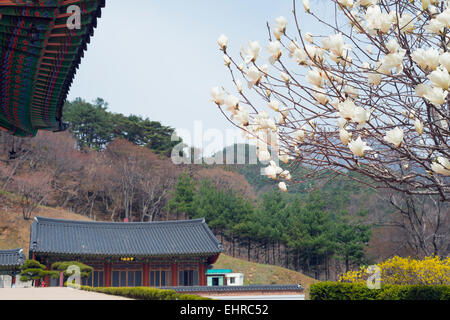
x=39 y=57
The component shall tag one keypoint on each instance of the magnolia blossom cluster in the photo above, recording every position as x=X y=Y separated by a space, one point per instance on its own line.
x=375 y=91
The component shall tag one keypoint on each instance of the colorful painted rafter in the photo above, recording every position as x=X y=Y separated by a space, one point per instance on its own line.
x=39 y=56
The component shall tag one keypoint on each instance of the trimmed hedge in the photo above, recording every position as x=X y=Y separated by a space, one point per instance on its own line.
x=144 y=293
x=359 y=291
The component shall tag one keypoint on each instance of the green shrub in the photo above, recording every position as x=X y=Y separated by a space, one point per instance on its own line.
x=33 y=270
x=144 y=293
x=416 y=292
x=85 y=271
x=359 y=291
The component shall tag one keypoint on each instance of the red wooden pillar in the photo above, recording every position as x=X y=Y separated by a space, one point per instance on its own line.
x=202 y=274
x=145 y=276
x=47 y=278
x=13 y=280
x=107 y=280
x=33 y=257
x=174 y=274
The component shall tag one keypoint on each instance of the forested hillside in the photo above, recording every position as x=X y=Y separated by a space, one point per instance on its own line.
x=115 y=167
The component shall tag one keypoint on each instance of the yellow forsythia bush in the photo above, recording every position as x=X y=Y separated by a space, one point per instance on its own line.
x=406 y=271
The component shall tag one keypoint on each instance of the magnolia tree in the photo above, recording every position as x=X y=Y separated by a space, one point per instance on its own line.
x=370 y=96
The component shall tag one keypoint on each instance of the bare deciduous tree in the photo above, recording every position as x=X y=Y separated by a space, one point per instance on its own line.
x=370 y=97
x=33 y=189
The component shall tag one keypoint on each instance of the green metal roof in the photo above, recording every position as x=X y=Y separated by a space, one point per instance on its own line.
x=39 y=56
x=218 y=271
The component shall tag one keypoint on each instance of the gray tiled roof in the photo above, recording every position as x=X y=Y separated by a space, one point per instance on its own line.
x=249 y=288
x=11 y=258
x=167 y=238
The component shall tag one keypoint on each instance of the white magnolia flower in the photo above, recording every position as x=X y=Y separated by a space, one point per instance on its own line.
x=218 y=95
x=239 y=85
x=345 y=136
x=242 y=116
x=300 y=56
x=281 y=23
x=293 y=45
x=271 y=172
x=393 y=60
x=306 y=5
x=358 y=147
x=254 y=76
x=422 y=89
x=315 y=53
x=285 y=77
x=440 y=78
x=320 y=95
x=425 y=4
x=432 y=9
x=393 y=46
x=395 y=137
x=274 y=49
x=232 y=102
x=377 y=20
x=283 y=186
x=284 y=112
x=315 y=77
x=223 y=42
x=309 y=37
x=361 y=116
x=346 y=3
x=299 y=135
x=444 y=17
x=252 y=52
x=406 y=23
x=347 y=109
x=444 y=60
x=435 y=26
x=374 y=78
x=264 y=69
x=284 y=157
x=436 y=96
x=335 y=44
x=227 y=60
x=441 y=166
x=274 y=105
x=286 y=175
x=426 y=59
x=342 y=123
x=351 y=91
x=277 y=33
x=366 y=3
x=418 y=125
x=335 y=103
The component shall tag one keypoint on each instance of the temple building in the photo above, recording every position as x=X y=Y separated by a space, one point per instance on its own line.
x=10 y=262
x=156 y=254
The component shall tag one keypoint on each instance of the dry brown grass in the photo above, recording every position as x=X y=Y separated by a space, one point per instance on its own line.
x=15 y=231
x=256 y=273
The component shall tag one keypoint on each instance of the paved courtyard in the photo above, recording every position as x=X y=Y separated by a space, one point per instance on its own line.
x=53 y=294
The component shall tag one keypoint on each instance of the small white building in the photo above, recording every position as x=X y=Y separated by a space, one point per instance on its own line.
x=234 y=279
x=224 y=277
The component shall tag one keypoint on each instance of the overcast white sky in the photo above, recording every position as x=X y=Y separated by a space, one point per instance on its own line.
x=159 y=58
